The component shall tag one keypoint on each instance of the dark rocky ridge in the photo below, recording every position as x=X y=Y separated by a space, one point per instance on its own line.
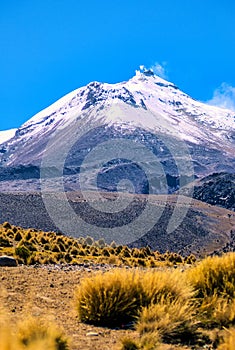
x=204 y=230
x=216 y=189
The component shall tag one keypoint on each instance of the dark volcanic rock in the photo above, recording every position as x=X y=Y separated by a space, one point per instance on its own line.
x=7 y=261
x=216 y=189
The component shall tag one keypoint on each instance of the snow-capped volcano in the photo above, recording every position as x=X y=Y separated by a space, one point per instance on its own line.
x=146 y=108
x=178 y=113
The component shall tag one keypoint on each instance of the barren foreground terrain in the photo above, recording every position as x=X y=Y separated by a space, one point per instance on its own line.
x=48 y=292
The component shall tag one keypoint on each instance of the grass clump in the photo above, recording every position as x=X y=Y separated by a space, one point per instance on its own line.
x=117 y=297
x=23 y=253
x=129 y=344
x=32 y=334
x=223 y=313
x=33 y=330
x=213 y=280
x=4 y=241
x=214 y=276
x=170 y=322
x=215 y=311
x=110 y=299
x=168 y=284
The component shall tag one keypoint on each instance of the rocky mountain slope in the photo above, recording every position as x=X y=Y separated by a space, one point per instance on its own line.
x=204 y=230
x=216 y=189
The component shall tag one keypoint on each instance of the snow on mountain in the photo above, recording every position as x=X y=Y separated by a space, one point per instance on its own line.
x=178 y=112
x=147 y=105
x=7 y=135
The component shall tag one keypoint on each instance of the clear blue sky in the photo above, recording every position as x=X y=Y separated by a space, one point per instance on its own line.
x=50 y=47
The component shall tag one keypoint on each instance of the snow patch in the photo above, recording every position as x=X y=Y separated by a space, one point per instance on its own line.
x=6 y=135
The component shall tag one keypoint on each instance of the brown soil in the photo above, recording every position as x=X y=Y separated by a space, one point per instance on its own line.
x=49 y=292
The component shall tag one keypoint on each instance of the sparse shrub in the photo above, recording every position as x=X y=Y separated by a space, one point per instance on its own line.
x=173 y=322
x=18 y=236
x=47 y=246
x=141 y=262
x=31 y=260
x=113 y=244
x=117 y=296
x=105 y=252
x=111 y=250
x=170 y=285
x=129 y=344
x=10 y=233
x=33 y=330
x=61 y=244
x=68 y=258
x=43 y=240
x=59 y=257
x=81 y=252
x=135 y=253
x=35 y=258
x=166 y=255
x=5 y=242
x=113 y=260
x=101 y=243
x=151 y=262
x=33 y=241
x=28 y=244
x=14 y=229
x=118 y=249
x=74 y=250
x=94 y=251
x=110 y=299
x=23 y=253
x=89 y=240
x=125 y=252
x=70 y=244
x=159 y=257
x=87 y=250
x=151 y=341
x=142 y=255
x=55 y=248
x=51 y=259
x=214 y=276
x=215 y=311
x=65 y=242
x=31 y=334
x=81 y=240
x=28 y=235
x=191 y=259
x=224 y=312
x=7 y=225
x=175 y=258
x=148 y=251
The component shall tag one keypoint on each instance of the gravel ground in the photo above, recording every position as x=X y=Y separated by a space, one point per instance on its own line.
x=48 y=291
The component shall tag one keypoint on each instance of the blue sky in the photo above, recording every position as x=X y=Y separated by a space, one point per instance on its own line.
x=51 y=47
